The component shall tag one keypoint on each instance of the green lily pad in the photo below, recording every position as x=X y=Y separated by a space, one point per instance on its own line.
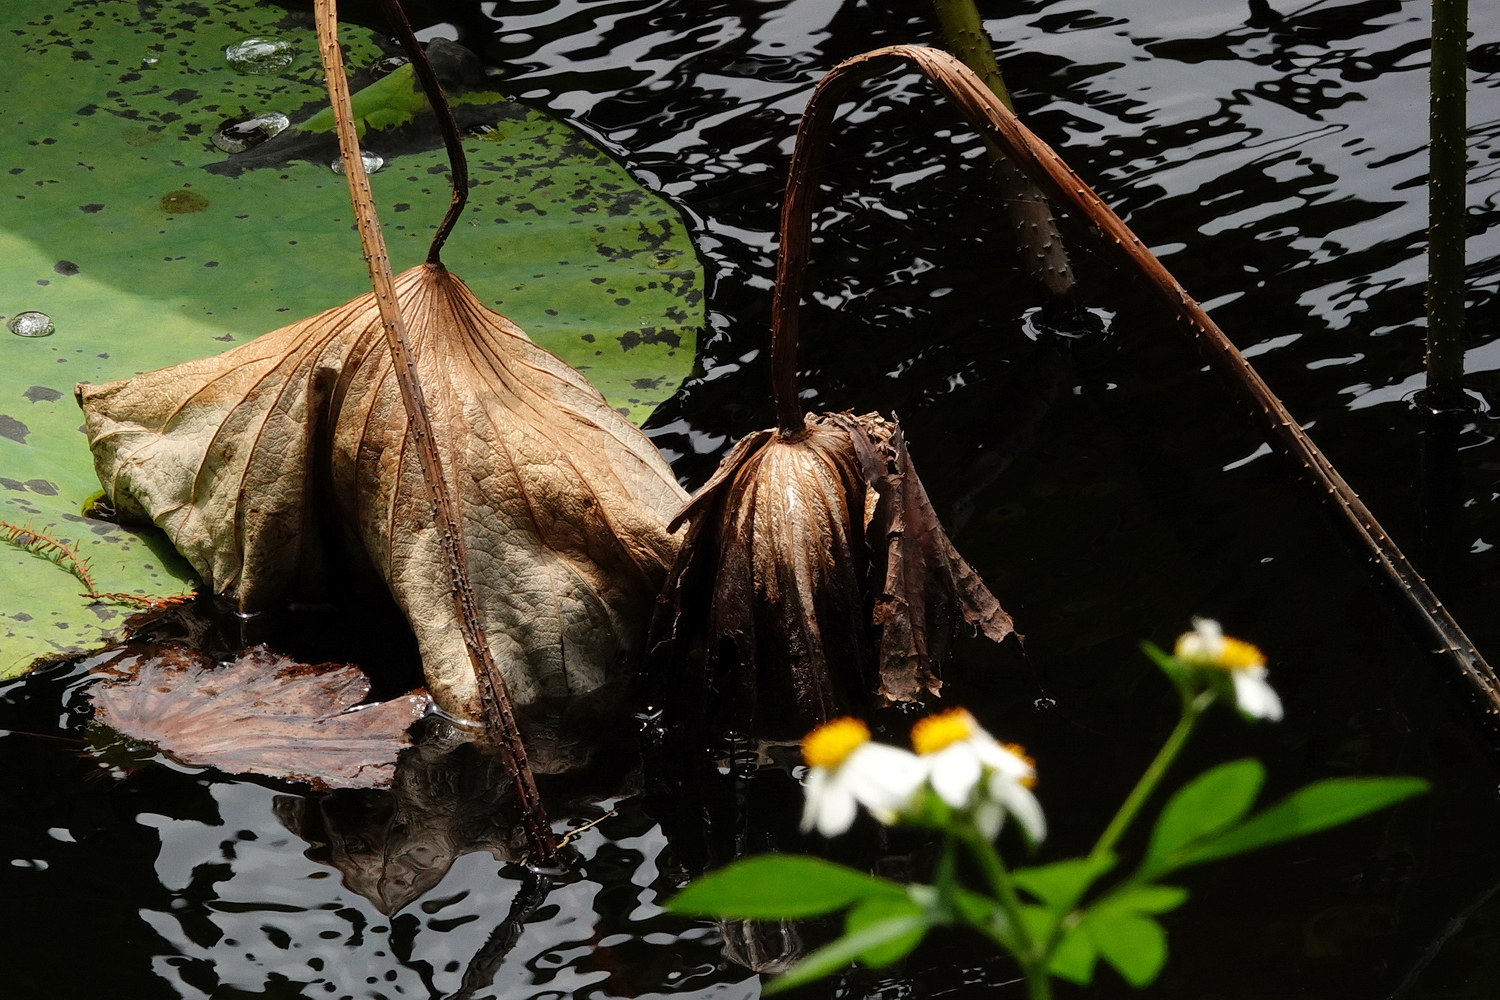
x=147 y=246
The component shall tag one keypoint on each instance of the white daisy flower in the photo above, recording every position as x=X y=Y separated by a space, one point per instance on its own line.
x=1208 y=646
x=845 y=769
x=969 y=768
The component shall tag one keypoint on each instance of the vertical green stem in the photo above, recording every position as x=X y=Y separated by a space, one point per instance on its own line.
x=964 y=32
x=1446 y=192
x=1028 y=953
x=1191 y=710
x=1042 y=253
x=999 y=879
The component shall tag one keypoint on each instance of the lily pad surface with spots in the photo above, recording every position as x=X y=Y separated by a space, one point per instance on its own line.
x=145 y=245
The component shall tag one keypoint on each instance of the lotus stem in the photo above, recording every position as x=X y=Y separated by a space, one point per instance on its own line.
x=1447 y=188
x=1043 y=256
x=964 y=32
x=498 y=703
x=1037 y=160
x=458 y=163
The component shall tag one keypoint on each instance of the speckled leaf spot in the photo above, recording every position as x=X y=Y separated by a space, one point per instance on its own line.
x=146 y=245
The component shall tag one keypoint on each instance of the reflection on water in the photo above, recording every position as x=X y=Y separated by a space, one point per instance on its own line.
x=1274 y=154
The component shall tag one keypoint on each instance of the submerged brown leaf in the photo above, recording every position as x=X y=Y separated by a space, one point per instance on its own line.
x=814 y=570
x=261 y=714
x=447 y=798
x=258 y=462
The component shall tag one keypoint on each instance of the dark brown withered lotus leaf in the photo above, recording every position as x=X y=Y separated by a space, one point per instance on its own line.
x=251 y=460
x=260 y=714
x=923 y=589
x=814 y=569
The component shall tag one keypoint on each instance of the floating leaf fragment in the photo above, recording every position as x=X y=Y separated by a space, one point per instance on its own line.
x=260 y=714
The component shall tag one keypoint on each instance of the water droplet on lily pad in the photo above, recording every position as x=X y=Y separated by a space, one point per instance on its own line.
x=240 y=134
x=31 y=324
x=260 y=56
x=372 y=161
x=386 y=66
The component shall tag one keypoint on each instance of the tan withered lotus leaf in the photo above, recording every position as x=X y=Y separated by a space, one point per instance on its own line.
x=815 y=565
x=261 y=714
x=244 y=459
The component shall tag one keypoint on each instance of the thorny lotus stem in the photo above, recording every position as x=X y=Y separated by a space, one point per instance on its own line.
x=1037 y=160
x=497 y=700
x=1043 y=256
x=1446 y=215
x=458 y=164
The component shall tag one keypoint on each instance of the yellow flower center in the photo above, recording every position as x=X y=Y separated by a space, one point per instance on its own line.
x=1239 y=655
x=831 y=743
x=935 y=732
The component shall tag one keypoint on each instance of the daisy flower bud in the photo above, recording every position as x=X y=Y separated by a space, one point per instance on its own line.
x=1207 y=646
x=845 y=769
x=969 y=769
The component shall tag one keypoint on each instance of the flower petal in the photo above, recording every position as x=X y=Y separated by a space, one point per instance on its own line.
x=814 y=789
x=954 y=772
x=1021 y=804
x=883 y=778
x=989 y=817
x=835 y=811
x=1204 y=644
x=1254 y=695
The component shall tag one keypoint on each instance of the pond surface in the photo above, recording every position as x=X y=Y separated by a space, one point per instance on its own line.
x=1105 y=487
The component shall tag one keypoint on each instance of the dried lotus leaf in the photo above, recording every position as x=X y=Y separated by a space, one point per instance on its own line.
x=245 y=459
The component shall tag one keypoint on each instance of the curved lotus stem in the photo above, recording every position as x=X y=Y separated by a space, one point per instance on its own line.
x=498 y=705
x=1057 y=180
x=458 y=164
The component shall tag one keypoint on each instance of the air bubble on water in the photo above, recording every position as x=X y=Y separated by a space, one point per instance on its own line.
x=260 y=56
x=386 y=66
x=372 y=161
x=31 y=324
x=240 y=134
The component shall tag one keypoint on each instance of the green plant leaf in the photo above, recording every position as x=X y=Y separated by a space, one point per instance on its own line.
x=779 y=886
x=871 y=911
x=147 y=247
x=1075 y=956
x=1133 y=943
x=1207 y=805
x=1319 y=806
x=1039 y=921
x=1143 y=899
x=1062 y=884
x=1176 y=672
x=840 y=953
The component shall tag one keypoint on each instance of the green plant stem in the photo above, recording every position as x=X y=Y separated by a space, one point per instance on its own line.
x=1192 y=709
x=1446 y=192
x=964 y=33
x=999 y=879
x=1033 y=962
x=1043 y=255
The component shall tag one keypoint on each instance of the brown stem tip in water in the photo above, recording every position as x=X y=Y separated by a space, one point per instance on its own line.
x=814 y=570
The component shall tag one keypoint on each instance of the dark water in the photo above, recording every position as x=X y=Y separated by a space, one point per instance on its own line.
x=1106 y=488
